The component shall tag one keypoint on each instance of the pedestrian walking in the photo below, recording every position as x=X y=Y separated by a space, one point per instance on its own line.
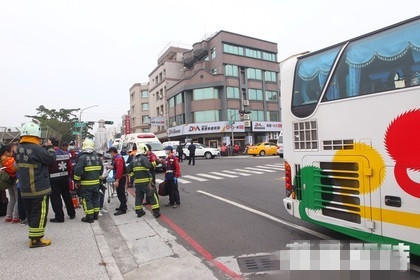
x=60 y=175
x=223 y=149
x=172 y=173
x=191 y=149
x=87 y=173
x=120 y=180
x=9 y=165
x=139 y=169
x=32 y=161
x=180 y=152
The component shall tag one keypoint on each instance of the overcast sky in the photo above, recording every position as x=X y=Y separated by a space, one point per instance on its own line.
x=73 y=54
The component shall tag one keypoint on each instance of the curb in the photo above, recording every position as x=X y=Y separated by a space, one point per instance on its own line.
x=111 y=267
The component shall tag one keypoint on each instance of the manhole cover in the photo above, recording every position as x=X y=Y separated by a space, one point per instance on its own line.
x=258 y=263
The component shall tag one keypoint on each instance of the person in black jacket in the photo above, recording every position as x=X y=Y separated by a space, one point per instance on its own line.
x=87 y=173
x=32 y=162
x=191 y=148
x=180 y=151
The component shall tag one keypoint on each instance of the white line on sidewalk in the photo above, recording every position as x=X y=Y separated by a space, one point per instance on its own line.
x=237 y=173
x=209 y=176
x=249 y=171
x=225 y=175
x=265 y=215
x=259 y=169
x=195 y=178
x=270 y=167
x=183 y=181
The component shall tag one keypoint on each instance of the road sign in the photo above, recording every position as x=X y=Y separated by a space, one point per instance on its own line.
x=79 y=124
x=247 y=123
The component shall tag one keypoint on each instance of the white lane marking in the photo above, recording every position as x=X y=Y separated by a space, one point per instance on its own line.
x=249 y=171
x=183 y=181
x=270 y=167
x=209 y=176
x=237 y=173
x=265 y=215
x=225 y=175
x=195 y=178
x=259 y=169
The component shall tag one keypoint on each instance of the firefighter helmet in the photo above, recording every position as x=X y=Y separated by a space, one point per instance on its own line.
x=141 y=149
x=88 y=144
x=30 y=129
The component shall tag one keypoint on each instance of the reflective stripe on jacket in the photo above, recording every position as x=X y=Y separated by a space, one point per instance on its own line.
x=139 y=169
x=88 y=169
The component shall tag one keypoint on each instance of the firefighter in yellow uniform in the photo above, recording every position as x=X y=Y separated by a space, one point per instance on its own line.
x=87 y=173
x=139 y=169
x=32 y=161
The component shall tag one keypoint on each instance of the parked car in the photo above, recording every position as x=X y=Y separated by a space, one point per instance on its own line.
x=263 y=149
x=202 y=151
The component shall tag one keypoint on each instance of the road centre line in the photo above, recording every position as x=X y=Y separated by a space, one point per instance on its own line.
x=249 y=171
x=259 y=169
x=237 y=173
x=225 y=175
x=195 y=178
x=265 y=215
x=209 y=176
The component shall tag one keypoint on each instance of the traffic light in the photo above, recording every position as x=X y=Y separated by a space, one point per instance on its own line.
x=90 y=123
x=109 y=122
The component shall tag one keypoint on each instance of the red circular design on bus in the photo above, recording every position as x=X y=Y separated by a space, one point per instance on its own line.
x=402 y=141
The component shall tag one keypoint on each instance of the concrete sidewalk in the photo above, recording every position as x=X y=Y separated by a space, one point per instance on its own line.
x=73 y=253
x=144 y=249
x=115 y=248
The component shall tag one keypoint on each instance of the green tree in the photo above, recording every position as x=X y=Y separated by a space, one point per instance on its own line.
x=58 y=123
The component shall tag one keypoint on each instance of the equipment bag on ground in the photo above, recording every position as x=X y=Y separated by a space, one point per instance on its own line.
x=163 y=191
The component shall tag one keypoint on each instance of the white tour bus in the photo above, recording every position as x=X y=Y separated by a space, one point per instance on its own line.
x=351 y=122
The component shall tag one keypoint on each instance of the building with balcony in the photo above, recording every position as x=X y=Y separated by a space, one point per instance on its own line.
x=168 y=72
x=224 y=75
x=139 y=112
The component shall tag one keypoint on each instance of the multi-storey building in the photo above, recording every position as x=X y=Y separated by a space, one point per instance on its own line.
x=139 y=108
x=168 y=71
x=224 y=76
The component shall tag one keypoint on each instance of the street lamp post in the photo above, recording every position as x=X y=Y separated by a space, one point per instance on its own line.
x=80 y=123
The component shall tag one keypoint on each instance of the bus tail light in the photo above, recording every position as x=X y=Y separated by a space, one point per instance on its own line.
x=288 y=176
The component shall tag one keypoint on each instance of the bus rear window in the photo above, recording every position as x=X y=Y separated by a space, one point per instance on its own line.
x=311 y=75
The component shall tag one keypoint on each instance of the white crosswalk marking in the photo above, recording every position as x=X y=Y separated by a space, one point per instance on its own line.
x=237 y=173
x=270 y=167
x=225 y=175
x=249 y=171
x=195 y=178
x=259 y=169
x=209 y=176
x=275 y=165
x=158 y=181
x=183 y=181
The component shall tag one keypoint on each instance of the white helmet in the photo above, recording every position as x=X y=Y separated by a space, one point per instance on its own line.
x=141 y=149
x=30 y=129
x=88 y=144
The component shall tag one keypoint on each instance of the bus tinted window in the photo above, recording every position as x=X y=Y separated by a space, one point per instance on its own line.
x=385 y=61
x=311 y=75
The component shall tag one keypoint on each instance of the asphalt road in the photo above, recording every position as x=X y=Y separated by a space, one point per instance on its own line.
x=212 y=207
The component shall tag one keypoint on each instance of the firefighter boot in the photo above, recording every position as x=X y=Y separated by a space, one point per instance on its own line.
x=140 y=213
x=39 y=242
x=95 y=215
x=88 y=219
x=156 y=213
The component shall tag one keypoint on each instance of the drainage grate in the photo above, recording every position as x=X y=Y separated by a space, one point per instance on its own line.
x=258 y=263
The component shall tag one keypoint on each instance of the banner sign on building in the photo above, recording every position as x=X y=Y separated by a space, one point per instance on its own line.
x=266 y=126
x=176 y=131
x=127 y=125
x=204 y=128
x=157 y=121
